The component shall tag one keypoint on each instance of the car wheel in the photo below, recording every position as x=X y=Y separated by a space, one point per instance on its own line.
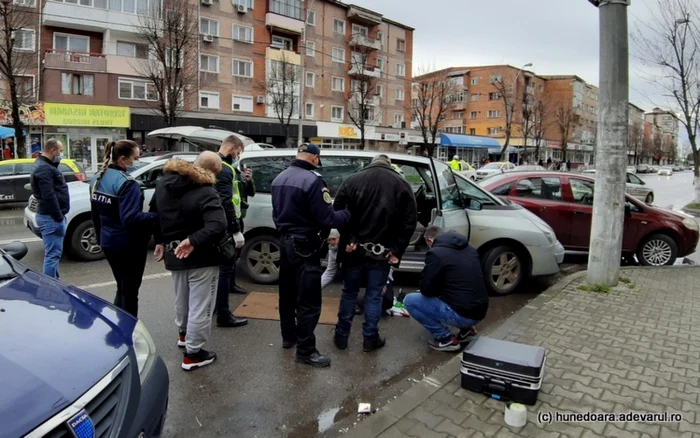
x=503 y=270
x=649 y=199
x=261 y=259
x=657 y=250
x=83 y=242
x=473 y=178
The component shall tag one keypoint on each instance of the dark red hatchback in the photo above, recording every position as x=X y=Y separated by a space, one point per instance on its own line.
x=565 y=202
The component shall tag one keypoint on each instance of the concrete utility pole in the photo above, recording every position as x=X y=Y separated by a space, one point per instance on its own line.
x=611 y=153
x=302 y=73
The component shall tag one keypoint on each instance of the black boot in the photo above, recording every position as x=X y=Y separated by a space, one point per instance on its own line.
x=230 y=320
x=315 y=359
x=340 y=341
x=238 y=290
x=373 y=344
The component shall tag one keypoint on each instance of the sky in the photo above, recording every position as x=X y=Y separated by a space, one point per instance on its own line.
x=556 y=36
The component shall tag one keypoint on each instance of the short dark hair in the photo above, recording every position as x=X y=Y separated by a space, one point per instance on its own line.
x=51 y=144
x=235 y=141
x=432 y=232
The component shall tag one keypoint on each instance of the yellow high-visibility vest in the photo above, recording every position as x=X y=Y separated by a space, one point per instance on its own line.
x=236 y=198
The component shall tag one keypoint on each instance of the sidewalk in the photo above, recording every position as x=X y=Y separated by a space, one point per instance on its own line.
x=632 y=349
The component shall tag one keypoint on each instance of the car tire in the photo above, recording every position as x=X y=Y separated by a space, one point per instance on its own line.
x=500 y=282
x=261 y=258
x=83 y=242
x=649 y=199
x=473 y=178
x=657 y=250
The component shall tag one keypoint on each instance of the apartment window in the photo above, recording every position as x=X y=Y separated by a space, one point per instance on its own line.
x=243 y=103
x=400 y=70
x=26 y=3
x=310 y=79
x=71 y=43
x=494 y=96
x=247 y=3
x=171 y=54
x=132 y=50
x=282 y=43
x=472 y=131
x=457 y=80
x=399 y=94
x=243 y=33
x=493 y=131
x=360 y=30
x=398 y=119
x=495 y=78
x=208 y=100
x=312 y=18
x=380 y=37
x=24 y=39
x=311 y=48
x=473 y=115
x=289 y=8
x=458 y=115
x=380 y=64
x=337 y=113
x=380 y=90
x=400 y=45
x=475 y=97
x=338 y=55
x=338 y=84
x=338 y=26
x=309 y=110
x=83 y=85
x=209 y=63
x=134 y=89
x=494 y=114
x=242 y=68
x=25 y=86
x=208 y=26
x=475 y=81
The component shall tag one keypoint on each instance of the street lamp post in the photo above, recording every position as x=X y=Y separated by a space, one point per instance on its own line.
x=611 y=154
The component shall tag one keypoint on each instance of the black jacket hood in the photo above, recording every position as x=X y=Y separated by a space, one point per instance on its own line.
x=451 y=239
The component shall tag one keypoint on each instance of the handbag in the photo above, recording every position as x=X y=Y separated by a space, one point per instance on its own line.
x=226 y=247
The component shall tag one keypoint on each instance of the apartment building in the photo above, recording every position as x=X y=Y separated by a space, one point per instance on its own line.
x=661 y=135
x=91 y=87
x=635 y=151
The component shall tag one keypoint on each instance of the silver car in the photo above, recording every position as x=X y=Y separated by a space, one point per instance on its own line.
x=493 y=169
x=635 y=187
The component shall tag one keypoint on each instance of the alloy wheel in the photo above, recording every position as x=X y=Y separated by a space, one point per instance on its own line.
x=657 y=252
x=88 y=241
x=264 y=259
x=505 y=271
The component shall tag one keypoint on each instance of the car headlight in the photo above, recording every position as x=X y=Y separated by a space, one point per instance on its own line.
x=691 y=224
x=145 y=350
x=547 y=230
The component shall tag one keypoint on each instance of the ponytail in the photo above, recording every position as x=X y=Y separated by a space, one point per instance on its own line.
x=114 y=150
x=108 y=155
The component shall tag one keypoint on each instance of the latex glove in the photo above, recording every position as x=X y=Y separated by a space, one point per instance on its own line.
x=239 y=240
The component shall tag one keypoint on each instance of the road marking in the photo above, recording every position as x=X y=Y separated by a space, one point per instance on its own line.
x=114 y=283
x=22 y=240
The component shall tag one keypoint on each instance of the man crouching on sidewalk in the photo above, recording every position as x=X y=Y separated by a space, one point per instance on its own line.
x=452 y=290
x=191 y=225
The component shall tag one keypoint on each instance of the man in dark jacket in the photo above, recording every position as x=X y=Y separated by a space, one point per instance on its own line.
x=50 y=189
x=246 y=189
x=191 y=223
x=384 y=217
x=452 y=290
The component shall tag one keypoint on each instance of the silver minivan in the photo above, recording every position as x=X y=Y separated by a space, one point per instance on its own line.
x=512 y=242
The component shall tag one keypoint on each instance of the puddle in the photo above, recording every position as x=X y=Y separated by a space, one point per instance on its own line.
x=326 y=419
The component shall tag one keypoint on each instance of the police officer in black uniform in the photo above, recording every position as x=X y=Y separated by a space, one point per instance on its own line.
x=303 y=213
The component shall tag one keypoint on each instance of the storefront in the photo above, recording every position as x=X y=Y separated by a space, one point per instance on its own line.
x=347 y=136
x=470 y=148
x=32 y=117
x=85 y=130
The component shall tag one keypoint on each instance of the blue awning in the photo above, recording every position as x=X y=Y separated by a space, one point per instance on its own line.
x=497 y=149
x=467 y=141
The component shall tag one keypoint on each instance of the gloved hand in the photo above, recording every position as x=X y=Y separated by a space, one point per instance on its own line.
x=239 y=240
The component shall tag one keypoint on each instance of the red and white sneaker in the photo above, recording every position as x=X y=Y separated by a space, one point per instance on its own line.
x=448 y=344
x=199 y=359
x=181 y=340
x=465 y=335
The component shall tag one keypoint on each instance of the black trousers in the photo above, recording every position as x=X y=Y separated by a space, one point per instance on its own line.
x=299 y=295
x=227 y=278
x=127 y=266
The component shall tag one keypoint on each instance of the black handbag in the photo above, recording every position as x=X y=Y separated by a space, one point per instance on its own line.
x=226 y=247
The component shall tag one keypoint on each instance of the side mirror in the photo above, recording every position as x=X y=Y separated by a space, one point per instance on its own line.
x=475 y=205
x=628 y=210
x=16 y=250
x=28 y=187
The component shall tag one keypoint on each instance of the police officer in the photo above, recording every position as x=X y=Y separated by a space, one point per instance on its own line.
x=122 y=228
x=303 y=213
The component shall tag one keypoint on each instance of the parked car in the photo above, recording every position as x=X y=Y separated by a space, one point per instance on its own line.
x=493 y=169
x=74 y=365
x=677 y=168
x=665 y=171
x=258 y=147
x=15 y=174
x=654 y=169
x=565 y=201
x=634 y=186
x=644 y=168
x=631 y=169
x=527 y=168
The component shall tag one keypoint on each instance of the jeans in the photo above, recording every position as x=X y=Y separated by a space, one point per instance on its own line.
x=433 y=314
x=375 y=273
x=127 y=265
x=52 y=233
x=227 y=275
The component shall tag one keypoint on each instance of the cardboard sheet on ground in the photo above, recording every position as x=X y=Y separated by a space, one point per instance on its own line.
x=259 y=305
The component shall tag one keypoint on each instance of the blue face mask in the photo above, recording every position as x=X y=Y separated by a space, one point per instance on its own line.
x=58 y=159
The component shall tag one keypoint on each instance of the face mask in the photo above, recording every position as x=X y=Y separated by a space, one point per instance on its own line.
x=58 y=158
x=234 y=163
x=131 y=168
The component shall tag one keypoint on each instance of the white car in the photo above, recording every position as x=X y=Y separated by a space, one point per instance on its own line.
x=665 y=171
x=493 y=169
x=631 y=169
x=635 y=187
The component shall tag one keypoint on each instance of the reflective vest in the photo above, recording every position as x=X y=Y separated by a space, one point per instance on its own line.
x=454 y=164
x=236 y=198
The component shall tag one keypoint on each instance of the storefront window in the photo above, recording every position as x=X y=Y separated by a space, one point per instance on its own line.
x=80 y=151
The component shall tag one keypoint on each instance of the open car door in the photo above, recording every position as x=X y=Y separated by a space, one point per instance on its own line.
x=451 y=213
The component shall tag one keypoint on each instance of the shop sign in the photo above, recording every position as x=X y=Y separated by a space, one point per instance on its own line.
x=59 y=114
x=31 y=115
x=346 y=131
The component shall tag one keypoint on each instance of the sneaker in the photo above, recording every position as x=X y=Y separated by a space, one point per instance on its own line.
x=181 y=340
x=373 y=344
x=447 y=344
x=465 y=334
x=199 y=359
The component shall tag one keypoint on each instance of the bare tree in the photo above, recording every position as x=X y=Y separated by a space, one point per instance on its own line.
x=539 y=114
x=172 y=68
x=670 y=49
x=506 y=92
x=564 y=117
x=364 y=100
x=281 y=87
x=17 y=57
x=657 y=144
x=527 y=122
x=434 y=95
x=636 y=139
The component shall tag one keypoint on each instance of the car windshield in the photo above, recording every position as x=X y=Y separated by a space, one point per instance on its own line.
x=492 y=166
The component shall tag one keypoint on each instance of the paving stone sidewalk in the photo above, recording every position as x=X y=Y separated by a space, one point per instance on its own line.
x=635 y=348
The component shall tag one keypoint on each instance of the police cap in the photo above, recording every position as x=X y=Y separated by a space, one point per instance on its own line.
x=312 y=149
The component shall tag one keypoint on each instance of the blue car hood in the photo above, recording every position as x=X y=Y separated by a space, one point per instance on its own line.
x=57 y=342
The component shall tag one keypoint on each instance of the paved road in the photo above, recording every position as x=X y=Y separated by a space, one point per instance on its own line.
x=675 y=191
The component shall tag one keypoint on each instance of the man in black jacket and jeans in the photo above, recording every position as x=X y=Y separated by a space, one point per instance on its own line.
x=452 y=290
x=384 y=216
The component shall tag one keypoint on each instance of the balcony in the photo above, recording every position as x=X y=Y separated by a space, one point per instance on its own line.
x=275 y=54
x=128 y=66
x=356 y=98
x=358 y=71
x=364 y=16
x=75 y=61
x=286 y=15
x=363 y=41
x=71 y=16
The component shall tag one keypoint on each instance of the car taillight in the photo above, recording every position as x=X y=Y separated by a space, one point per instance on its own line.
x=81 y=176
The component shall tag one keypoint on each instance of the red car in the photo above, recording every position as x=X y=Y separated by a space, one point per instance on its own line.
x=565 y=202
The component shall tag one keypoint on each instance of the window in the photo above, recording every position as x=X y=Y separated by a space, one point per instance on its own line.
x=337 y=113
x=243 y=69
x=242 y=103
x=208 y=100
x=243 y=33
x=311 y=48
x=400 y=45
x=25 y=86
x=26 y=3
x=494 y=96
x=634 y=179
x=309 y=110
x=380 y=64
x=208 y=26
x=6 y=169
x=380 y=37
x=473 y=115
x=475 y=81
x=209 y=63
x=338 y=55
x=398 y=119
x=471 y=192
x=289 y=8
x=338 y=84
x=310 y=79
x=475 y=97
x=493 y=131
x=456 y=80
x=338 y=26
x=472 y=131
x=24 y=39
x=399 y=94
x=132 y=50
x=359 y=30
x=136 y=90
x=380 y=90
x=400 y=70
x=458 y=115
x=582 y=191
x=495 y=78
x=282 y=43
x=77 y=84
x=503 y=190
x=539 y=188
x=312 y=18
x=171 y=54
x=494 y=114
x=73 y=43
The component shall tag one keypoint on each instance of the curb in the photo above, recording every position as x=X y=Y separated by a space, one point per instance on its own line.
x=429 y=385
